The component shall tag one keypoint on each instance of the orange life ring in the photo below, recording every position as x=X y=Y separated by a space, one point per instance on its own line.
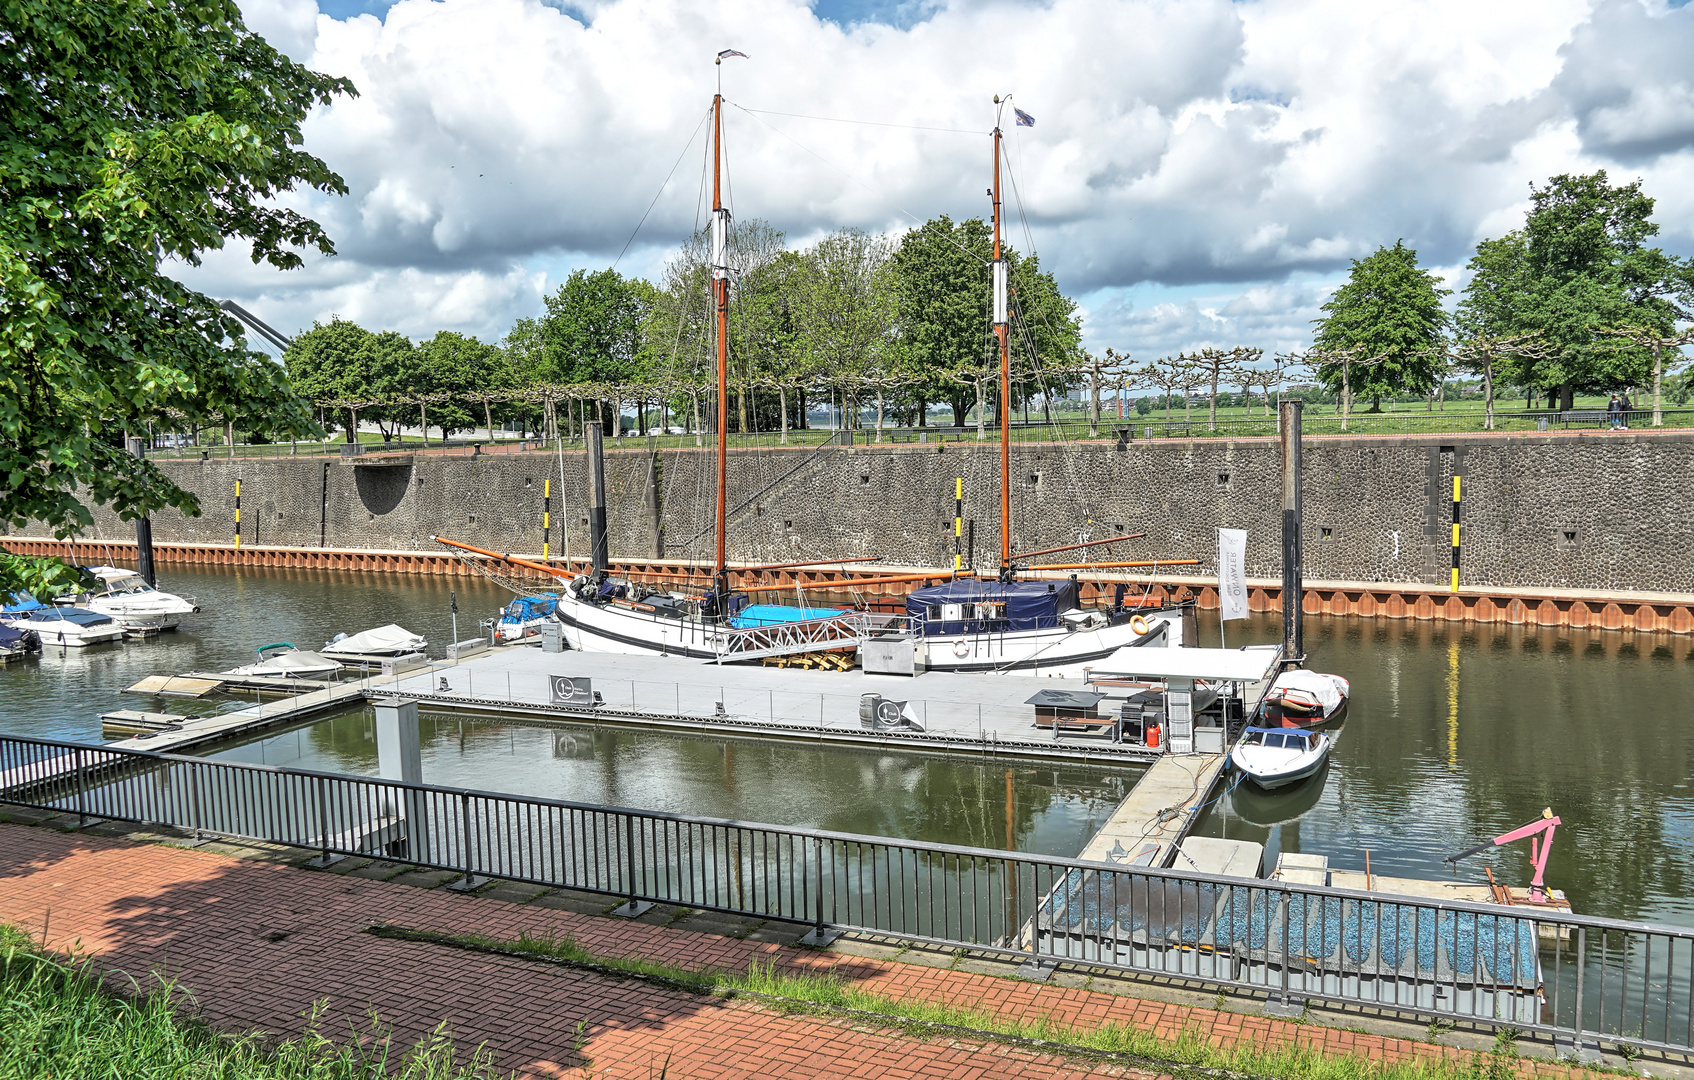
x=960 y=649
x=1138 y=624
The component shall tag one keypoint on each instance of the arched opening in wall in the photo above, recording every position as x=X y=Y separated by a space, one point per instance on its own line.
x=381 y=490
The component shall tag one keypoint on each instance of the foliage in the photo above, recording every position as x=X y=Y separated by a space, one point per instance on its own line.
x=42 y=578
x=134 y=132
x=453 y=371
x=336 y=365
x=941 y=287
x=131 y=133
x=61 y=1020
x=592 y=331
x=1391 y=308
x=1579 y=265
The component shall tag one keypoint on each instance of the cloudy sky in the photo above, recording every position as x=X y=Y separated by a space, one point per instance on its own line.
x=1201 y=172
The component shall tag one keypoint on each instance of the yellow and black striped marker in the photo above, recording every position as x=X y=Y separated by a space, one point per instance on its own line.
x=958 y=523
x=546 y=515
x=238 y=513
x=1455 y=585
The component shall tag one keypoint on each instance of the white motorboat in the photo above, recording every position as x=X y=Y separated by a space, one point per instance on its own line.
x=1277 y=757
x=136 y=605
x=70 y=627
x=390 y=640
x=283 y=661
x=1300 y=698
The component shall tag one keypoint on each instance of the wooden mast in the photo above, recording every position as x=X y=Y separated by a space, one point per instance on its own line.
x=720 y=294
x=1001 y=329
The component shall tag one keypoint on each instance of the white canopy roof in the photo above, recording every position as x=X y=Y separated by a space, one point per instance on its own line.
x=1236 y=665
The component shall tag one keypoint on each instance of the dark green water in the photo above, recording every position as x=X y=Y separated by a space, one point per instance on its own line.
x=1455 y=734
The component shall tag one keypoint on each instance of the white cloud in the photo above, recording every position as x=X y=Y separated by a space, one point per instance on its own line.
x=1189 y=157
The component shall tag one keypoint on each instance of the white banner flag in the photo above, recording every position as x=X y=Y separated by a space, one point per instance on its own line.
x=1232 y=573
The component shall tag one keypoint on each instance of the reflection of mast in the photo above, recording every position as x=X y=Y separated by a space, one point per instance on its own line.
x=720 y=296
x=1001 y=333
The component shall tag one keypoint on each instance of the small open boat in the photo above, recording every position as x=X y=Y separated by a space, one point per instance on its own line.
x=283 y=661
x=1277 y=757
x=70 y=626
x=390 y=640
x=525 y=616
x=16 y=643
x=1300 y=698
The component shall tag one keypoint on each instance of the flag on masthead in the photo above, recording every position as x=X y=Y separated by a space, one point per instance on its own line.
x=727 y=53
x=1024 y=119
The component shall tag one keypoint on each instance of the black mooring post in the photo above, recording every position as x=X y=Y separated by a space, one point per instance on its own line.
x=596 y=498
x=143 y=528
x=1293 y=569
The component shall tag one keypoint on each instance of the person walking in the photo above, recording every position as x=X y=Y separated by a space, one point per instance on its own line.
x=1613 y=416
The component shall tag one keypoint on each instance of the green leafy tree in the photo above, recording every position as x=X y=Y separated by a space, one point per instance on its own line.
x=134 y=132
x=1387 y=308
x=941 y=287
x=844 y=308
x=1580 y=264
x=331 y=365
x=594 y=331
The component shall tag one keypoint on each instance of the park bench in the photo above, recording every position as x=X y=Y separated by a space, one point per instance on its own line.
x=1584 y=417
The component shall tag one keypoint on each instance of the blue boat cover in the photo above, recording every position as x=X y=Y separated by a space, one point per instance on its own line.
x=18 y=602
x=1029 y=605
x=525 y=608
x=777 y=614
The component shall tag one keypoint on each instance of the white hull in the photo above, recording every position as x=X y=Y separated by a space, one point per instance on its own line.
x=137 y=617
x=55 y=633
x=1273 y=767
x=621 y=627
x=135 y=604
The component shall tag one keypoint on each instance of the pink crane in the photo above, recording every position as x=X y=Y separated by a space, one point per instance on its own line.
x=1539 y=848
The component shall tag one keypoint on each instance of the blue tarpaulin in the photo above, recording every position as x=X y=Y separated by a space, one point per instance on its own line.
x=525 y=608
x=777 y=614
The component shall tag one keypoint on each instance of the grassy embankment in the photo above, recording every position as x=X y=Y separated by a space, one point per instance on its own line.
x=59 y=1019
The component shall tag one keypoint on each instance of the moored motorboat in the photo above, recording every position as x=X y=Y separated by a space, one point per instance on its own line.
x=1300 y=698
x=390 y=640
x=127 y=597
x=1277 y=757
x=16 y=643
x=283 y=661
x=70 y=627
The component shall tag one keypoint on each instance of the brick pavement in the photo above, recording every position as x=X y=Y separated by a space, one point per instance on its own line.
x=257 y=943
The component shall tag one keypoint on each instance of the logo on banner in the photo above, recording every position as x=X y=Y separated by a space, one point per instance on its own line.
x=897 y=714
x=572 y=690
x=1232 y=573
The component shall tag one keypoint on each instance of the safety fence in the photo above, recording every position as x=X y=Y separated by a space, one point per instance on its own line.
x=1576 y=978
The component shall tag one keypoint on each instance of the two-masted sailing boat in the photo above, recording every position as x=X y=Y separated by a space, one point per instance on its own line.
x=966 y=622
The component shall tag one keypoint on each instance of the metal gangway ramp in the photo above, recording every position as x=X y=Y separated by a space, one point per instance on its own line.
x=843 y=631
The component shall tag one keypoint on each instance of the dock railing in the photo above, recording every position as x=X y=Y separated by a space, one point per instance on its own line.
x=1582 y=980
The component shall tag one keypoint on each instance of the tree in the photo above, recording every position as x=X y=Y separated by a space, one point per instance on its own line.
x=1579 y=264
x=131 y=133
x=1387 y=308
x=594 y=330
x=331 y=363
x=941 y=286
x=843 y=311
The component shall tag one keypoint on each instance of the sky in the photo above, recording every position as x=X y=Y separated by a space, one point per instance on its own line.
x=1201 y=172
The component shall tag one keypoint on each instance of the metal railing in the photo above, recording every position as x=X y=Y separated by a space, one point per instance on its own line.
x=1573 y=977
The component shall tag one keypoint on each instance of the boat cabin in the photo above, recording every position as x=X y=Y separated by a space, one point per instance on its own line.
x=972 y=606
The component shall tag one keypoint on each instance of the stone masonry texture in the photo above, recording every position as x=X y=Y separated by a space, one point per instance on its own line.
x=1600 y=511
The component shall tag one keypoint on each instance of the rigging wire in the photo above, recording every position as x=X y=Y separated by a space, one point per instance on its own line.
x=660 y=193
x=867 y=123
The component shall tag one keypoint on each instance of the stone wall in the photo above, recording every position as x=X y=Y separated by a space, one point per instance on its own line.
x=1600 y=511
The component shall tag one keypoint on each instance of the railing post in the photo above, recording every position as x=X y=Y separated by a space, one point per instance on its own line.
x=819 y=937
x=325 y=856
x=470 y=880
x=1283 y=1003
x=633 y=906
x=81 y=785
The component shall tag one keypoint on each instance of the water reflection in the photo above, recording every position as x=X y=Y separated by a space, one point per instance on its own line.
x=939 y=798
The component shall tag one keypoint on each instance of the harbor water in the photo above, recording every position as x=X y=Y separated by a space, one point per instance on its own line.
x=1455 y=733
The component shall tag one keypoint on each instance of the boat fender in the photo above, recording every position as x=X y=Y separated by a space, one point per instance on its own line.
x=960 y=649
x=1138 y=623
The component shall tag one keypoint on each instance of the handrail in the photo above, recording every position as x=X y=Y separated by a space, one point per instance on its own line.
x=1530 y=968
